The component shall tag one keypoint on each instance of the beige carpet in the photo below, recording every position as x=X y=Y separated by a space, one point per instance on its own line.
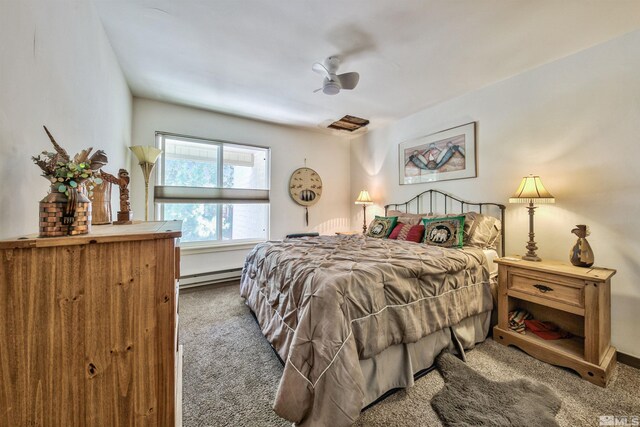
x=230 y=374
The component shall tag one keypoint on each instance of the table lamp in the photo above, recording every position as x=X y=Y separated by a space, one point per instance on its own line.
x=531 y=191
x=364 y=199
x=147 y=157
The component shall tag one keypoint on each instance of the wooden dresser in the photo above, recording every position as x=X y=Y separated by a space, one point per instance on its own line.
x=88 y=328
x=576 y=299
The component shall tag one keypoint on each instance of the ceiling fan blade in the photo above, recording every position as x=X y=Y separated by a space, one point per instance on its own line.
x=317 y=90
x=348 y=80
x=320 y=69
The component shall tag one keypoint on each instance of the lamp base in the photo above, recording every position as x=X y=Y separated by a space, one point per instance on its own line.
x=531 y=244
x=364 y=221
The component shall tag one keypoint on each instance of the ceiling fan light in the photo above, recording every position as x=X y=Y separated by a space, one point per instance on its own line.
x=331 y=88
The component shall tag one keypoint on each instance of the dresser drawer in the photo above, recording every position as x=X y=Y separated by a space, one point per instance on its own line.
x=550 y=287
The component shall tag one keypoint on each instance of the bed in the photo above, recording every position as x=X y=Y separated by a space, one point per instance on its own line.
x=353 y=316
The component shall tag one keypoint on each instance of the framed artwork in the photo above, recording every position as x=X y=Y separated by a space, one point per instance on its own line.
x=450 y=154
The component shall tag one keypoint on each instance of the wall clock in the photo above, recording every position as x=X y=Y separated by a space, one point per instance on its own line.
x=305 y=188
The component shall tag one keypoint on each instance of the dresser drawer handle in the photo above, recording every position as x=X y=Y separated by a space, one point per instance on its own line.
x=542 y=288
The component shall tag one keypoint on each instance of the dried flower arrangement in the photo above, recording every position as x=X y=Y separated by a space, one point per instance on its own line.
x=58 y=167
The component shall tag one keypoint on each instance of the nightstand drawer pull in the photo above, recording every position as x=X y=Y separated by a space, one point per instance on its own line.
x=542 y=288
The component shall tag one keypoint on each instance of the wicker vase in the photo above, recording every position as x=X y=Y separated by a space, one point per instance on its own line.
x=61 y=215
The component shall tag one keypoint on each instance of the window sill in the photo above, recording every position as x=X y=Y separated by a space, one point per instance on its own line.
x=192 y=249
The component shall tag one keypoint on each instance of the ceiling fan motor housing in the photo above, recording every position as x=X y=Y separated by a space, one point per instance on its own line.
x=332 y=63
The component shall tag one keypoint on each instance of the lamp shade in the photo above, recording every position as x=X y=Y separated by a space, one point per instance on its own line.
x=146 y=153
x=364 y=198
x=531 y=190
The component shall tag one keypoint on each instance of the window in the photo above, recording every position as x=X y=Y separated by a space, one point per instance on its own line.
x=220 y=190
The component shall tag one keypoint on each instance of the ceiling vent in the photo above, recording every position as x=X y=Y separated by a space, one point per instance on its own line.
x=349 y=123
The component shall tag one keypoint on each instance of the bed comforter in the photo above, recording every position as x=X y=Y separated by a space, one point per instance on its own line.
x=324 y=303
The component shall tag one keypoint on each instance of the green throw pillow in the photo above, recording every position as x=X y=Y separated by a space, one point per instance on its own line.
x=382 y=226
x=446 y=232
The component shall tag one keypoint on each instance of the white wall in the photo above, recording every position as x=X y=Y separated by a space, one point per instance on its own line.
x=576 y=123
x=328 y=155
x=57 y=69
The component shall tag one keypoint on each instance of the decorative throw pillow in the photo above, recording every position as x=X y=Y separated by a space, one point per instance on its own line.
x=481 y=231
x=382 y=226
x=408 y=232
x=407 y=218
x=446 y=232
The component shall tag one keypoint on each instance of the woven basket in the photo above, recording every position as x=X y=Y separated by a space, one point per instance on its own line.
x=58 y=217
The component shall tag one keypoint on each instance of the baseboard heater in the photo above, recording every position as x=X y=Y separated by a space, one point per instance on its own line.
x=209 y=278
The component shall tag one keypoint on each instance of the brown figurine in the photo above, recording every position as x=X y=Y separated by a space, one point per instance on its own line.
x=581 y=254
x=125 y=216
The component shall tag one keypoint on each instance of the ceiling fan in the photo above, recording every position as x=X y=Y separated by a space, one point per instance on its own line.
x=333 y=82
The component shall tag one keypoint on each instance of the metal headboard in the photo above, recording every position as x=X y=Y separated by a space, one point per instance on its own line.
x=448 y=204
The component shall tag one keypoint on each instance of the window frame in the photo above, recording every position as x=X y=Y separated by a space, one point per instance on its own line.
x=216 y=243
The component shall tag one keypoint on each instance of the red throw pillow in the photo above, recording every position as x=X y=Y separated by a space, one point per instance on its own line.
x=396 y=231
x=408 y=232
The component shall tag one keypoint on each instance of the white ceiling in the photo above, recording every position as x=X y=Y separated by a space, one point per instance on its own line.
x=253 y=57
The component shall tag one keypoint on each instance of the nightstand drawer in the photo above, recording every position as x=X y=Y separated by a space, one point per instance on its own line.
x=548 y=287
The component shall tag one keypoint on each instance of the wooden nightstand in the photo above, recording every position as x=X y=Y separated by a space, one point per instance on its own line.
x=576 y=299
